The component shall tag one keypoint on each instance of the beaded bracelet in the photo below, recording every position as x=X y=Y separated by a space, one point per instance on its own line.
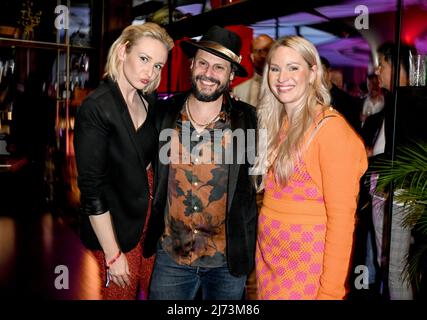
x=107 y=267
x=109 y=263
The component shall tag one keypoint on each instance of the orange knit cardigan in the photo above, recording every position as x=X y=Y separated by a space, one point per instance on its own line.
x=336 y=160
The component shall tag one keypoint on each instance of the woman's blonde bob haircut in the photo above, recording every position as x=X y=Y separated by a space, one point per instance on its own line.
x=130 y=35
x=284 y=149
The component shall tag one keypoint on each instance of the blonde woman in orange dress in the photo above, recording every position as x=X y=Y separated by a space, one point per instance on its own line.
x=314 y=161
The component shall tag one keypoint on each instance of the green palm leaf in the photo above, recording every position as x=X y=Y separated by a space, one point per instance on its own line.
x=413 y=271
x=408 y=174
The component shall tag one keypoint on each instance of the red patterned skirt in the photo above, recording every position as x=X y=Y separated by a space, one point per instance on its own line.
x=140 y=268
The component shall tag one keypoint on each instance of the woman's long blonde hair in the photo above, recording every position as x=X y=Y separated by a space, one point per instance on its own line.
x=129 y=36
x=283 y=150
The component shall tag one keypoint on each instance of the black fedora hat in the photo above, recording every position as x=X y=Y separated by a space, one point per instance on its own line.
x=220 y=42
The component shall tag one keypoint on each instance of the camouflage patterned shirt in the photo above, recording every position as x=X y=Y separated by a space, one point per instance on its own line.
x=195 y=212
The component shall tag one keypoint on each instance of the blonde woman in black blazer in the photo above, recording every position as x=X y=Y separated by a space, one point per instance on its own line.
x=115 y=143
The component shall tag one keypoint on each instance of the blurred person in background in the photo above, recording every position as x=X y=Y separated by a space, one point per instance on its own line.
x=248 y=90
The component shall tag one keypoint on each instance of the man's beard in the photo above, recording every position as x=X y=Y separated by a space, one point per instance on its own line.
x=208 y=97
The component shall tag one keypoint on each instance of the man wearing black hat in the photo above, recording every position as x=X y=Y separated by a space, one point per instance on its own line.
x=204 y=215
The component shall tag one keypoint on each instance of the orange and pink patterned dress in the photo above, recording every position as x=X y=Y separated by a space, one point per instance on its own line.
x=305 y=229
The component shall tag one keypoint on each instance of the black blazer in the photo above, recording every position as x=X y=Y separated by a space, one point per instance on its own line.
x=372 y=127
x=347 y=105
x=411 y=115
x=241 y=220
x=111 y=167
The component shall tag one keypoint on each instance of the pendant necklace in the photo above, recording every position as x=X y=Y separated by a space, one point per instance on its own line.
x=204 y=125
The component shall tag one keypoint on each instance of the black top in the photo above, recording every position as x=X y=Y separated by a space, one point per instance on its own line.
x=411 y=113
x=347 y=105
x=111 y=159
x=147 y=138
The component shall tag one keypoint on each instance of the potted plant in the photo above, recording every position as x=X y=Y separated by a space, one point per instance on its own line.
x=408 y=174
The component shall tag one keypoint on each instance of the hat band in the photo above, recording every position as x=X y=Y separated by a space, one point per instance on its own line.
x=221 y=49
